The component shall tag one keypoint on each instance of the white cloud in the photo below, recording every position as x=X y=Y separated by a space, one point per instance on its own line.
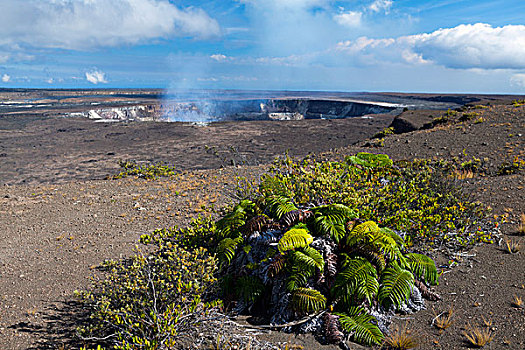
x=518 y=80
x=85 y=24
x=6 y=78
x=381 y=5
x=349 y=19
x=50 y=81
x=219 y=57
x=96 y=77
x=463 y=47
x=473 y=46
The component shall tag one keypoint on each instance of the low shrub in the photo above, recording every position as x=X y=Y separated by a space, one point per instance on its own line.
x=146 y=171
x=416 y=197
x=518 y=103
x=509 y=168
x=468 y=116
x=385 y=132
x=150 y=301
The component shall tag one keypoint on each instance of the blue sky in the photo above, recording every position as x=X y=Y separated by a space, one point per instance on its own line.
x=361 y=45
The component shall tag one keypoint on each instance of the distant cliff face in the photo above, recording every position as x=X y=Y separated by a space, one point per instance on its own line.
x=234 y=110
x=328 y=109
x=128 y=113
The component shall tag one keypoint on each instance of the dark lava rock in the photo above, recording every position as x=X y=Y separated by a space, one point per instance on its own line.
x=413 y=120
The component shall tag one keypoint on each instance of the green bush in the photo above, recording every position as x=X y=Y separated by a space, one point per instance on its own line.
x=415 y=197
x=147 y=171
x=149 y=300
x=385 y=132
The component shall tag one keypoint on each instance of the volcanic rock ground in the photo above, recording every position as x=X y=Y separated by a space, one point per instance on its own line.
x=59 y=219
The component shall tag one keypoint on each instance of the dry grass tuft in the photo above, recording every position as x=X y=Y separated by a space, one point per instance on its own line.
x=518 y=302
x=487 y=322
x=479 y=337
x=513 y=247
x=400 y=339
x=463 y=174
x=521 y=226
x=443 y=320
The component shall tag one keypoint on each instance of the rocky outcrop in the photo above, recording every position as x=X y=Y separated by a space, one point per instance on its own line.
x=413 y=120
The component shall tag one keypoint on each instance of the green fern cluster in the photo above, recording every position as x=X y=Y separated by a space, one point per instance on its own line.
x=361 y=265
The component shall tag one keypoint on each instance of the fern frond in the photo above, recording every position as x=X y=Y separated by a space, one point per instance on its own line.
x=370 y=237
x=294 y=217
x=361 y=326
x=311 y=257
x=257 y=223
x=368 y=288
x=227 y=248
x=279 y=206
x=396 y=286
x=364 y=232
x=308 y=300
x=294 y=239
x=423 y=267
x=330 y=220
x=246 y=206
x=229 y=225
x=356 y=268
x=276 y=266
x=357 y=280
x=297 y=280
x=376 y=258
x=399 y=241
x=250 y=288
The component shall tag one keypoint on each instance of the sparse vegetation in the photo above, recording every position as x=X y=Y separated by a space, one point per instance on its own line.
x=513 y=246
x=518 y=302
x=521 y=226
x=385 y=132
x=463 y=174
x=443 y=320
x=518 y=103
x=513 y=167
x=151 y=300
x=468 y=116
x=375 y=143
x=474 y=165
x=146 y=171
x=415 y=197
x=401 y=338
x=445 y=119
x=478 y=336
